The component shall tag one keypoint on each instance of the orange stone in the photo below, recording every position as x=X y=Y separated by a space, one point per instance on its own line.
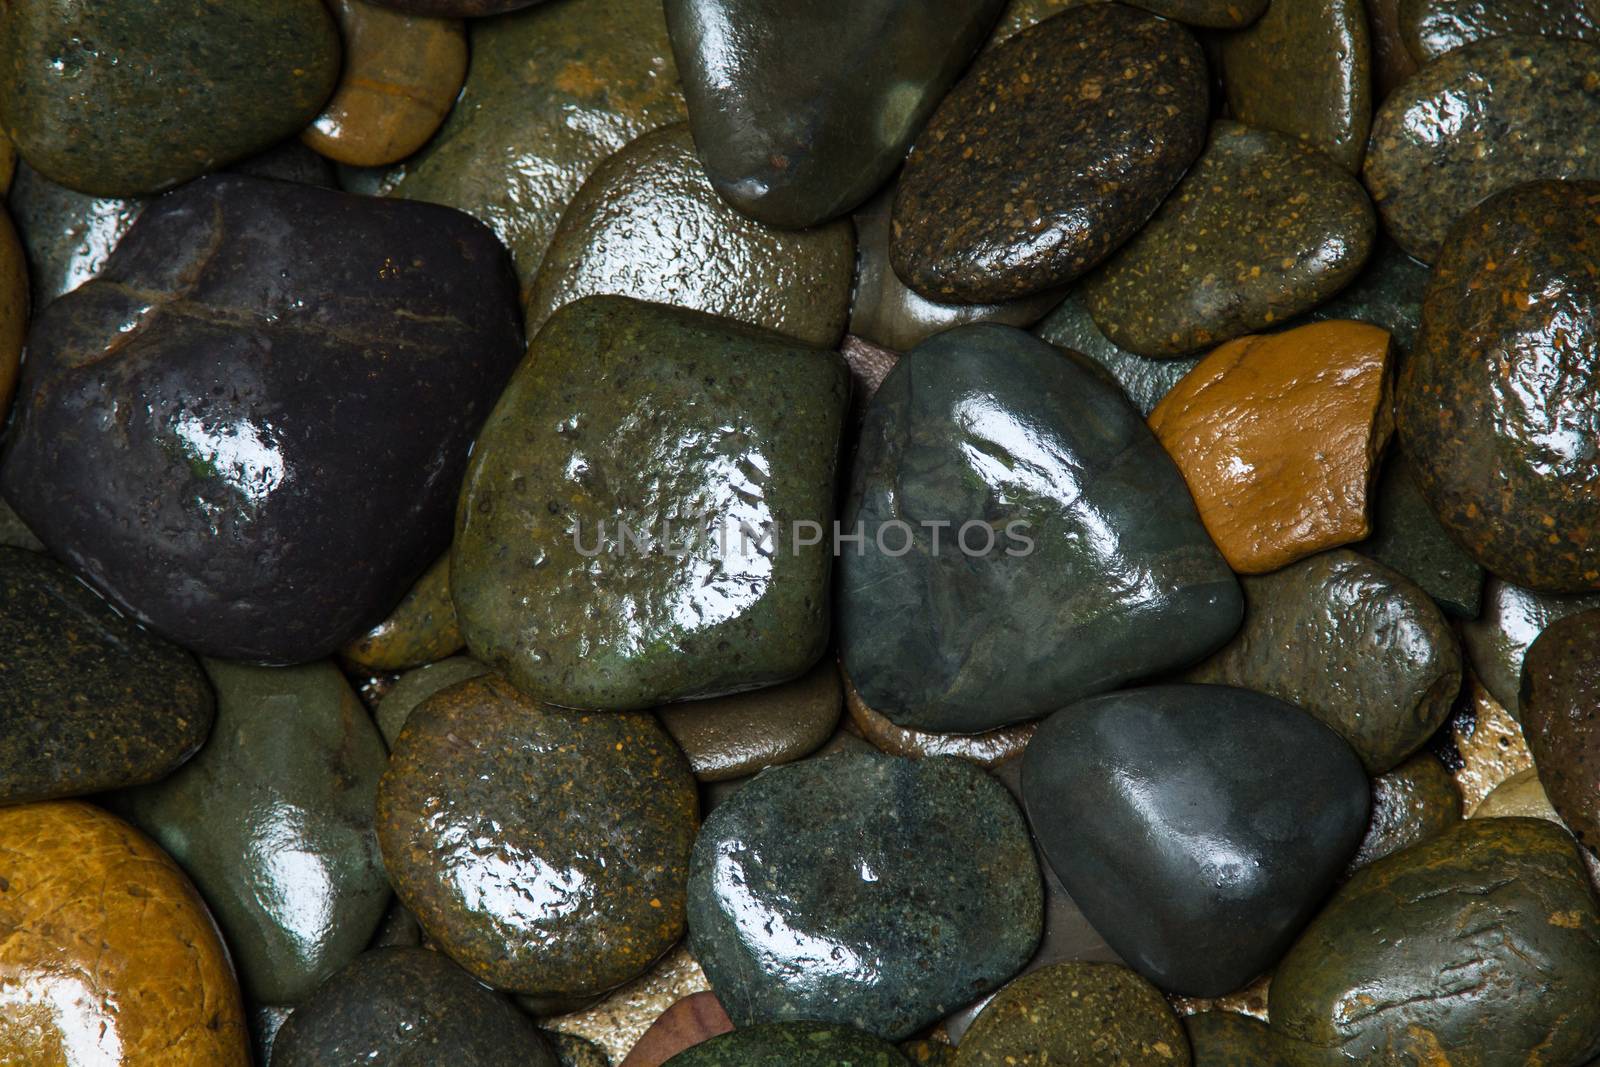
x=107 y=954
x=1278 y=436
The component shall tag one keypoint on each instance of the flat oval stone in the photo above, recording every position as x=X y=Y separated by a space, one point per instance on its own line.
x=1408 y=537
x=1076 y=1013
x=408 y=1005
x=802 y=111
x=743 y=428
x=793 y=1044
x=740 y=734
x=273 y=821
x=1260 y=229
x=1305 y=69
x=987 y=211
x=1495 y=406
x=68 y=235
x=418 y=685
x=401 y=74
x=250 y=429
x=1355 y=644
x=865 y=890
x=986 y=749
x=1190 y=843
x=1478 y=946
x=1415 y=802
x=1559 y=701
x=421 y=629
x=1512 y=619
x=1144 y=380
x=133 y=97
x=1226 y=1039
x=1481 y=119
x=109 y=955
x=647 y=224
x=1431 y=28
x=91 y=700
x=544 y=850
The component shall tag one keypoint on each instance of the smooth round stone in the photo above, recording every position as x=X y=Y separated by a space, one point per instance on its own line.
x=265 y=1022
x=648 y=225
x=1430 y=28
x=1481 y=119
x=130 y=97
x=1559 y=700
x=249 y=431
x=1260 y=229
x=1224 y=1039
x=1355 y=644
x=401 y=74
x=418 y=685
x=1144 y=380
x=1415 y=802
x=408 y=1006
x=1407 y=537
x=551 y=92
x=690 y=1021
x=742 y=427
x=109 y=956
x=1304 y=69
x=985 y=749
x=1476 y=947
x=91 y=700
x=1495 y=407
x=985 y=428
x=273 y=821
x=1212 y=14
x=1498 y=639
x=544 y=850
x=793 y=1044
x=68 y=235
x=1192 y=845
x=865 y=890
x=1076 y=1013
x=802 y=111
x=989 y=211
x=740 y=734
x=1522 y=794
x=421 y=629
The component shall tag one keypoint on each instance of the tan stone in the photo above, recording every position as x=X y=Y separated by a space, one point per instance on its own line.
x=1491 y=745
x=618 y=1022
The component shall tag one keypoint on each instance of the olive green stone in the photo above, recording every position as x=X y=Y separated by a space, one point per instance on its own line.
x=1481 y=119
x=1415 y=802
x=1560 y=700
x=421 y=629
x=1143 y=379
x=553 y=585
x=1304 y=69
x=1407 y=537
x=1512 y=618
x=739 y=734
x=545 y=850
x=552 y=91
x=792 y=1044
x=68 y=234
x=273 y=821
x=1430 y=28
x=126 y=97
x=1261 y=229
x=574 y=1051
x=89 y=699
x=1352 y=642
x=1478 y=947
x=418 y=685
x=1225 y=1039
x=1076 y=1013
x=647 y=224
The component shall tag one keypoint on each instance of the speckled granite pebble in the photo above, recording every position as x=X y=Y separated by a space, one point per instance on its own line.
x=418 y=685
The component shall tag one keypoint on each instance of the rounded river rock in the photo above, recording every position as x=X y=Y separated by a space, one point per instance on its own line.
x=1560 y=704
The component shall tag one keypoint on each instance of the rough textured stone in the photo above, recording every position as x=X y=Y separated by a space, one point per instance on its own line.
x=793 y=1044
x=418 y=685
x=421 y=629
x=1560 y=699
x=1415 y=802
x=1407 y=537
x=1430 y=28
x=736 y=735
x=1512 y=619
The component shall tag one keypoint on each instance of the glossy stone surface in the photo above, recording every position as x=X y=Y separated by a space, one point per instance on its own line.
x=1407 y=537
x=1049 y=154
x=421 y=629
x=694 y=1019
x=1350 y=641
x=1476 y=947
x=1559 y=701
x=1260 y=229
x=985 y=424
x=648 y=225
x=1431 y=28
x=742 y=426
x=1076 y=1013
x=418 y=685
x=544 y=850
x=1305 y=69
x=986 y=749
x=1144 y=380
x=401 y=73
x=68 y=235
x=1415 y=802
x=793 y=1044
x=1189 y=842
x=125 y=98
x=249 y=430
x=865 y=890
x=91 y=700
x=551 y=93
x=273 y=821
x=1481 y=119
x=408 y=1006
x=802 y=111
x=1224 y=1039
x=1495 y=406
x=740 y=734
x=1512 y=619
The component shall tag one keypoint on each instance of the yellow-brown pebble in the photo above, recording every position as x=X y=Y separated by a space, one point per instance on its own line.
x=13 y=308
x=401 y=74
x=1278 y=436
x=107 y=955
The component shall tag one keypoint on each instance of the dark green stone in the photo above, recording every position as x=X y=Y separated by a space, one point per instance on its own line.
x=418 y=685
x=1430 y=28
x=1051 y=152
x=273 y=822
x=1478 y=947
x=803 y=110
x=574 y=1051
x=1481 y=119
x=408 y=1007
x=1261 y=229
x=1224 y=1039
x=863 y=889
x=1560 y=699
x=68 y=234
x=792 y=1044
x=1388 y=293
x=1354 y=643
x=1407 y=537
x=985 y=424
x=1415 y=802
x=1143 y=379
x=89 y=699
x=126 y=97
x=741 y=426
x=1512 y=619
x=545 y=850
